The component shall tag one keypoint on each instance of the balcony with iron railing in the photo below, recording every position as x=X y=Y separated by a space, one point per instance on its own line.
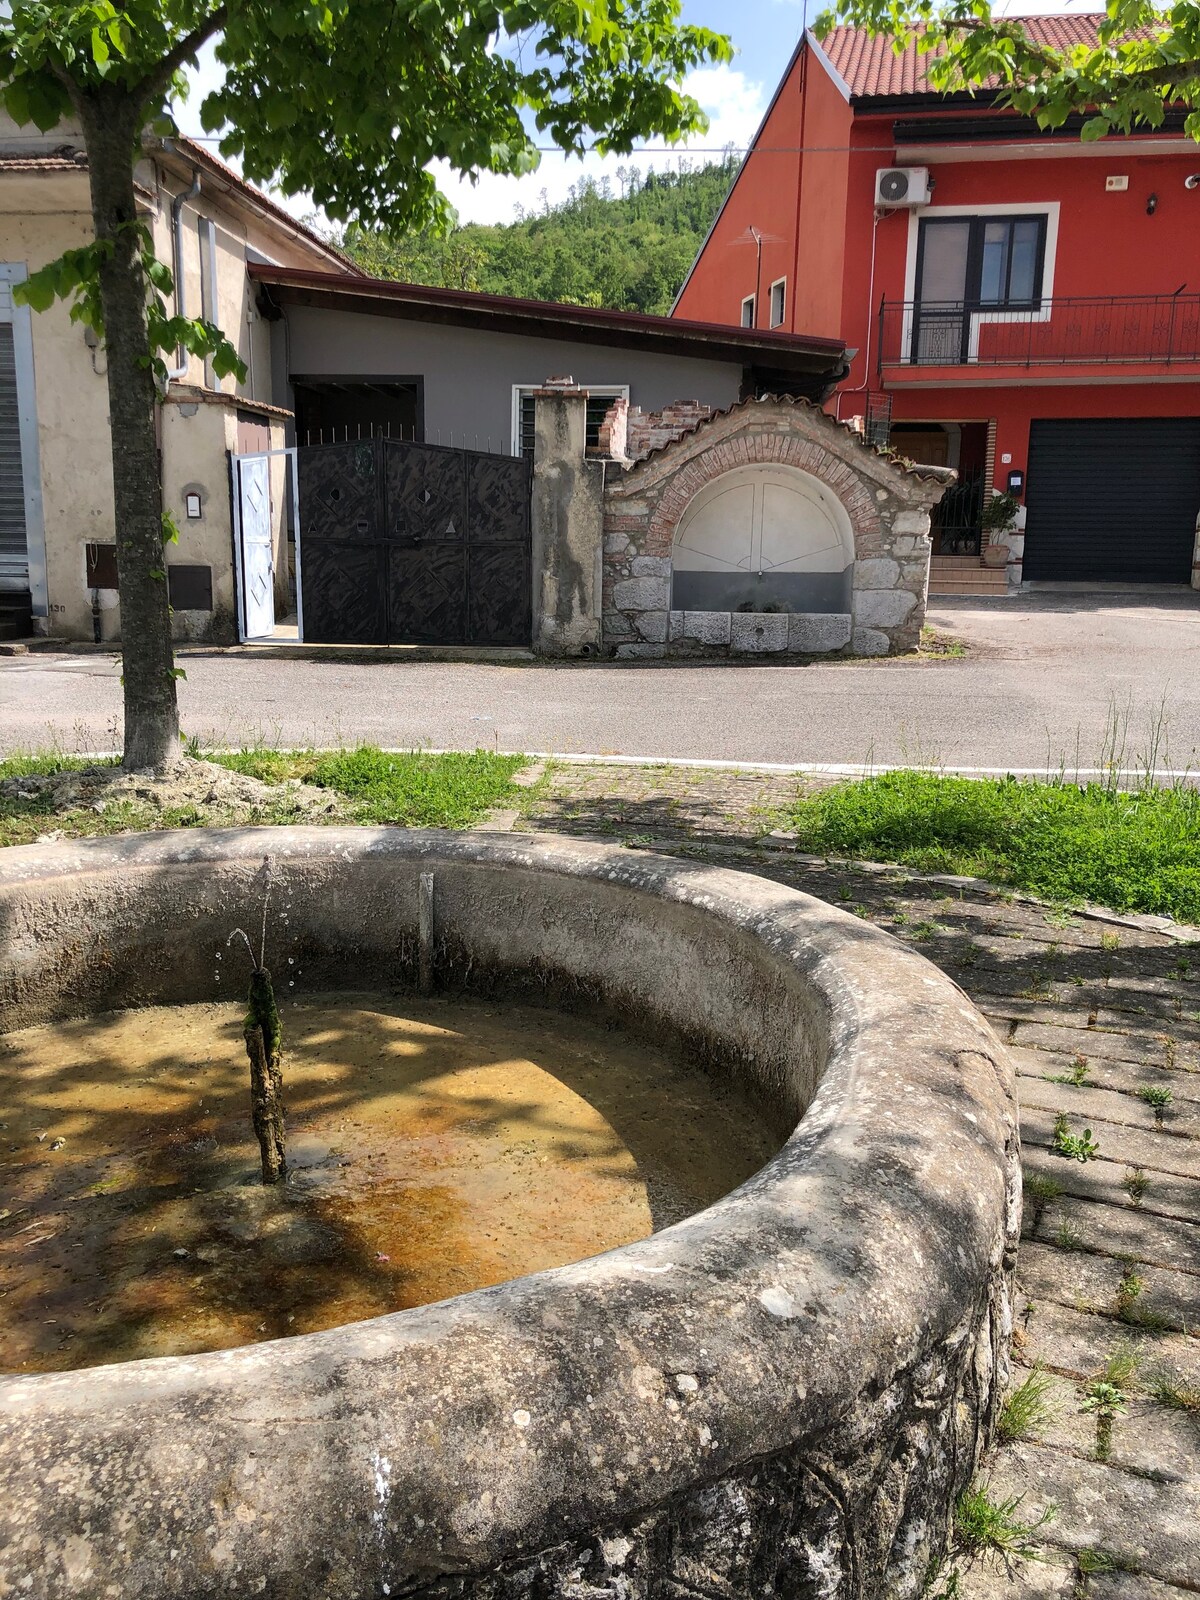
x=1126 y=333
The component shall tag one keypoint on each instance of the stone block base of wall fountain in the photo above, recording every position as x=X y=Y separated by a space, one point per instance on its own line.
x=782 y=1395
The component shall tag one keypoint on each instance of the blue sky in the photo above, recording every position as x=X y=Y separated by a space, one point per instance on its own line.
x=734 y=96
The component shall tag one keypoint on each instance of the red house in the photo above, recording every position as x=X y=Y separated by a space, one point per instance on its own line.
x=1025 y=306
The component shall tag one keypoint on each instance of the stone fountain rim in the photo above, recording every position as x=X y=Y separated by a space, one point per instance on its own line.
x=740 y=1330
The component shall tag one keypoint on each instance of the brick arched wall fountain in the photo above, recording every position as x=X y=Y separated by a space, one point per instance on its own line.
x=780 y=1395
x=672 y=458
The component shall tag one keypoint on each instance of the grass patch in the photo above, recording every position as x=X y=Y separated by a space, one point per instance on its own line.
x=1026 y=1408
x=1133 y=851
x=987 y=1526
x=268 y=766
x=1168 y=1389
x=25 y=821
x=419 y=791
x=50 y=762
x=410 y=789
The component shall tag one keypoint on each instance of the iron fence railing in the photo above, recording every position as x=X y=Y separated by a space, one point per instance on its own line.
x=1152 y=330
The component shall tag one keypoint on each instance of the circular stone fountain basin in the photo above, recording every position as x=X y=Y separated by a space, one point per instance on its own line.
x=782 y=1394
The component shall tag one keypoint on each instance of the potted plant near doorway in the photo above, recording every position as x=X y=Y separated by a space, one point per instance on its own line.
x=998 y=518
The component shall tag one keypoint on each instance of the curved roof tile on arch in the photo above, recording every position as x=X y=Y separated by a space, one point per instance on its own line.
x=871 y=68
x=911 y=469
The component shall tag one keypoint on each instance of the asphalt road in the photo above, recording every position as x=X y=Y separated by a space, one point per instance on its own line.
x=1044 y=682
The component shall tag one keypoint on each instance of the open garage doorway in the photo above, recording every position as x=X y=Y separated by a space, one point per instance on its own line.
x=337 y=410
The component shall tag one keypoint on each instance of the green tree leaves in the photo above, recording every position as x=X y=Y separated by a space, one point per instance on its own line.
x=1146 y=57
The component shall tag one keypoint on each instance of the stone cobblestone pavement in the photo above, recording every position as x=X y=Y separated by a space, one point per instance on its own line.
x=1099 y=1015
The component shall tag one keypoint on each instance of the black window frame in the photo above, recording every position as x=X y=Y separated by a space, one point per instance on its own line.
x=973 y=299
x=948 y=322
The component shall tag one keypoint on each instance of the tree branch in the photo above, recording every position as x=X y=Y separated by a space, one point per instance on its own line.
x=159 y=80
x=1051 y=61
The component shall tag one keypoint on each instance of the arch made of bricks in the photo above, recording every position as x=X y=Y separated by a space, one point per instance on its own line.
x=728 y=456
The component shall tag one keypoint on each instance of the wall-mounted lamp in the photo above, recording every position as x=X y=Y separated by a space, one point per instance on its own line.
x=1192 y=181
x=1151 y=205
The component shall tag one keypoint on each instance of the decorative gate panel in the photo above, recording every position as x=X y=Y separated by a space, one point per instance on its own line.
x=414 y=544
x=343 y=585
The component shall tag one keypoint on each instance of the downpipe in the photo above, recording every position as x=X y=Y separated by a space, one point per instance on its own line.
x=177 y=204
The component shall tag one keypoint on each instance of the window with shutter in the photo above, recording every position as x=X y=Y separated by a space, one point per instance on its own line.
x=599 y=400
x=14 y=550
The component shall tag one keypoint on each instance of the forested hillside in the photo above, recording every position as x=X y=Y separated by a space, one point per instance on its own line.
x=627 y=245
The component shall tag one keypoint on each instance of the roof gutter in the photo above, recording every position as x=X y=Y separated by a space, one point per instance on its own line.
x=222 y=180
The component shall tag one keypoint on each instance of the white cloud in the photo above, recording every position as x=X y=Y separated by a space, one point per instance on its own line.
x=734 y=105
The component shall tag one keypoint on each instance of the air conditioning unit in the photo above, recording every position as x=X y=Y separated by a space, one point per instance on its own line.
x=903 y=186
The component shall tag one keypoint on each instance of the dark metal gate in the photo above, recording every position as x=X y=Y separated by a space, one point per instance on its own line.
x=414 y=544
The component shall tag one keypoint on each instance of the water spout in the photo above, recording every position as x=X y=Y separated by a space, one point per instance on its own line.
x=263 y=1033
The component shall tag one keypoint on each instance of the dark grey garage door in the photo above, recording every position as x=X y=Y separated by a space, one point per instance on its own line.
x=1113 y=501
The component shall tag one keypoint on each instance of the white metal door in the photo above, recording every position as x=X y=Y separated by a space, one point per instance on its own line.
x=258 y=552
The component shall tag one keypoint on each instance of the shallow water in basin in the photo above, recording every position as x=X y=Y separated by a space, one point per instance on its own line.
x=435 y=1146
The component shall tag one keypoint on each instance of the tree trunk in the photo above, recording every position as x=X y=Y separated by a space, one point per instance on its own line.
x=112 y=126
x=264 y=1046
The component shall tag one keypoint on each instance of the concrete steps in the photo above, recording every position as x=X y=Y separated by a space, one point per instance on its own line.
x=965 y=575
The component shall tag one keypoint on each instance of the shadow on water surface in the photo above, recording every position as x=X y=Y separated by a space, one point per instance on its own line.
x=435 y=1146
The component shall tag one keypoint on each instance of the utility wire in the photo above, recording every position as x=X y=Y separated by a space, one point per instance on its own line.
x=554 y=149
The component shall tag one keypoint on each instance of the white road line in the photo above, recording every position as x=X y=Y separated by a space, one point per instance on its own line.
x=801 y=769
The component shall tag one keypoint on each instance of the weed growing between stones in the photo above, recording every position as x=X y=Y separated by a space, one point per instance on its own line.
x=1026 y=1408
x=1068 y=1237
x=1107 y=1402
x=1129 y=1292
x=1039 y=1191
x=1122 y=1366
x=1095 y=1563
x=1107 y=1396
x=984 y=1526
x=1077 y=1147
x=1168 y=1389
x=1077 y=1077
x=1135 y=1184
x=1158 y=1099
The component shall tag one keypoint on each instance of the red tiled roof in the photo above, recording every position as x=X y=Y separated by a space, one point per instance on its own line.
x=64 y=160
x=871 y=67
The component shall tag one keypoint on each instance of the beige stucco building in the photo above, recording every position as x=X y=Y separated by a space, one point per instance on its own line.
x=370 y=480
x=57 y=555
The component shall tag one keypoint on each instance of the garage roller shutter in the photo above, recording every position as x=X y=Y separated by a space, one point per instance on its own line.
x=1113 y=500
x=14 y=554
